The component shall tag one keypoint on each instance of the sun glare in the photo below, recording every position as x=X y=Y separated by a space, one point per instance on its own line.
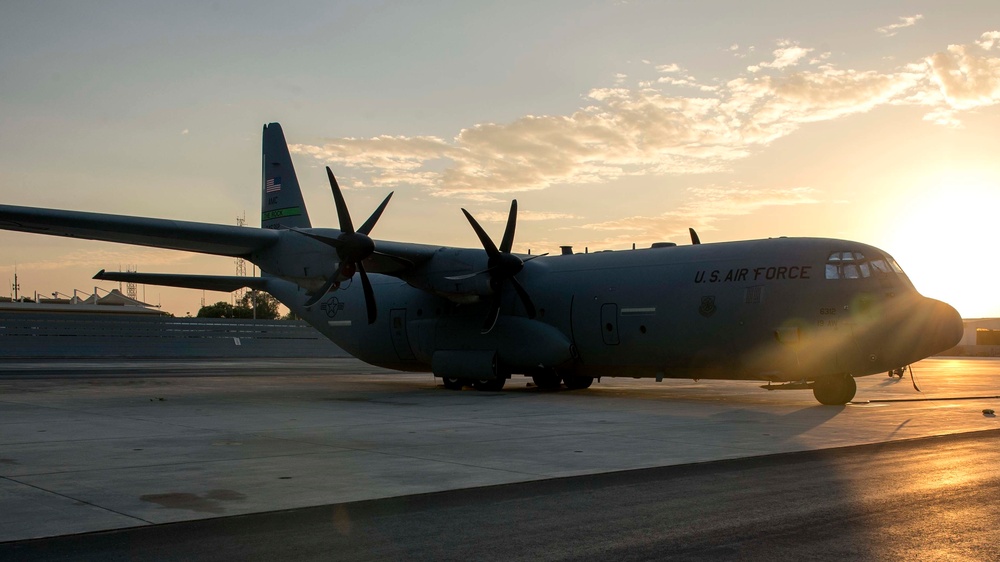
x=945 y=239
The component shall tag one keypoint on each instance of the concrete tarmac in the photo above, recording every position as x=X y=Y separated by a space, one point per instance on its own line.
x=88 y=447
x=921 y=499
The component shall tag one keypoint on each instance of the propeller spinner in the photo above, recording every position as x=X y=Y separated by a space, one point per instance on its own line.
x=352 y=246
x=502 y=266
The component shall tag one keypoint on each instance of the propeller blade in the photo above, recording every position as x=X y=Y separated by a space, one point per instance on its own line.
x=370 y=223
x=398 y=260
x=471 y=275
x=369 y=294
x=488 y=245
x=529 y=307
x=508 y=233
x=493 y=315
x=342 y=213
x=335 y=242
x=323 y=290
x=694 y=236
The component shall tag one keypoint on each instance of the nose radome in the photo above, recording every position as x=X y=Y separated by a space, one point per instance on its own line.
x=946 y=329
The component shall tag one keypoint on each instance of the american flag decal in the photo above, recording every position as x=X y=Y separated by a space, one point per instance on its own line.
x=272 y=185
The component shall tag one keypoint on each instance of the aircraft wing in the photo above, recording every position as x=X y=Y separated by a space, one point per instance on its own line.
x=205 y=238
x=222 y=283
x=398 y=258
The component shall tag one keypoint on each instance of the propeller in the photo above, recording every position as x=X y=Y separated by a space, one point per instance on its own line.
x=353 y=247
x=502 y=266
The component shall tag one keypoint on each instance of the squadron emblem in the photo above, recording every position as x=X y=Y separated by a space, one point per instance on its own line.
x=707 y=307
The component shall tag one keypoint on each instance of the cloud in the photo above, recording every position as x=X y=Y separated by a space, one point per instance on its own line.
x=787 y=54
x=529 y=216
x=904 y=21
x=965 y=79
x=705 y=207
x=150 y=258
x=656 y=128
x=989 y=40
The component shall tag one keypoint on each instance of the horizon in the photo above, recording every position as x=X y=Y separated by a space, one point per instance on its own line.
x=612 y=123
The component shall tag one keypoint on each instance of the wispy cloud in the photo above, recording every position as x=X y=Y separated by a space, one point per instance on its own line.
x=704 y=208
x=522 y=215
x=655 y=128
x=787 y=54
x=904 y=21
x=150 y=258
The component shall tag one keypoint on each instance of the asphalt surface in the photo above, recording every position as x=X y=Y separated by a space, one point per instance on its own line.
x=923 y=499
x=321 y=459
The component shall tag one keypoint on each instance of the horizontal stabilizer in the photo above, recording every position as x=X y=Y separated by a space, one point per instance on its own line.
x=206 y=238
x=222 y=283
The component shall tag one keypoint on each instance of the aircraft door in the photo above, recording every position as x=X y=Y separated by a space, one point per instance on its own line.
x=400 y=341
x=609 y=323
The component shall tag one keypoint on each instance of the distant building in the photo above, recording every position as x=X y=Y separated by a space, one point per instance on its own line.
x=114 y=302
x=981 y=331
x=981 y=338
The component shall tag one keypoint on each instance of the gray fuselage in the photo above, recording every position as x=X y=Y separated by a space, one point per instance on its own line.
x=783 y=309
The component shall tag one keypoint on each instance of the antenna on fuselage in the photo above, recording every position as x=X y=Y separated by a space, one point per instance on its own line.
x=694 y=236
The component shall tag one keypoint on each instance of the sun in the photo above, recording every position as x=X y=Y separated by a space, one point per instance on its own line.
x=946 y=236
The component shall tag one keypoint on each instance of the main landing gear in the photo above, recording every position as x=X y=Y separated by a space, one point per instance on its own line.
x=549 y=379
x=544 y=381
x=489 y=384
x=835 y=390
x=455 y=383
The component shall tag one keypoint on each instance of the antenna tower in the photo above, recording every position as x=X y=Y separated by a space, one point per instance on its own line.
x=131 y=290
x=241 y=264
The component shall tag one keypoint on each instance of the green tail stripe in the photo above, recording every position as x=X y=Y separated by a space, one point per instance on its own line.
x=281 y=213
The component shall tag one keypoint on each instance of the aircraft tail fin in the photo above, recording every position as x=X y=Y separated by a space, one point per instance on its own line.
x=282 y=205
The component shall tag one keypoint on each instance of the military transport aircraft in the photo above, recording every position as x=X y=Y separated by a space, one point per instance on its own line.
x=806 y=312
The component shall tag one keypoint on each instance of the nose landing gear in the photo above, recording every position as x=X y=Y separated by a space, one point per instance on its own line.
x=835 y=390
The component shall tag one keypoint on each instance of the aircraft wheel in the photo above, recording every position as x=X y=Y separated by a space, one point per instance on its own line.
x=835 y=391
x=546 y=381
x=452 y=383
x=577 y=383
x=490 y=384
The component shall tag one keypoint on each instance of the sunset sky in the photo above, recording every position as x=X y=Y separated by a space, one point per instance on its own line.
x=612 y=122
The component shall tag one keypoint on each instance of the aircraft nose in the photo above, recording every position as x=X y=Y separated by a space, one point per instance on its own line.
x=944 y=328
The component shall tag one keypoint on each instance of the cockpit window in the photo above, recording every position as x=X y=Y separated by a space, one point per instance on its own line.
x=854 y=265
x=880 y=266
x=895 y=266
x=851 y=265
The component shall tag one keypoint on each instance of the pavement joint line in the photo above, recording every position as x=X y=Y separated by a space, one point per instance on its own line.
x=197 y=462
x=467 y=465
x=928 y=399
x=71 y=498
